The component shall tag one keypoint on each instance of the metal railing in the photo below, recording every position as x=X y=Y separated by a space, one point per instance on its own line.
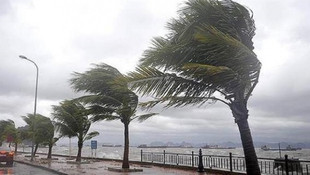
x=283 y=166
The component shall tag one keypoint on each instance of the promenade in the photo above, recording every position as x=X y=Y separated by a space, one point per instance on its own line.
x=94 y=167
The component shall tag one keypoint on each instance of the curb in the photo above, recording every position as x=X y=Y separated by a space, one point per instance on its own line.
x=41 y=167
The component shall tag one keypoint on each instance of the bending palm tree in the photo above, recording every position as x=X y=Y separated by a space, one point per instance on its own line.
x=50 y=139
x=207 y=56
x=9 y=132
x=71 y=120
x=40 y=129
x=110 y=99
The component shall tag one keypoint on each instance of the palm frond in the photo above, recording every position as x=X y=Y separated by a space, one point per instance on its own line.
x=143 y=117
x=91 y=135
x=103 y=100
x=107 y=117
x=181 y=101
x=148 y=80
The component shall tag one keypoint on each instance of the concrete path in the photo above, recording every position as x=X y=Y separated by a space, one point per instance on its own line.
x=23 y=169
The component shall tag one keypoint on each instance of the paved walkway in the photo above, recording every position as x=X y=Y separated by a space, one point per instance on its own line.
x=100 y=167
x=23 y=169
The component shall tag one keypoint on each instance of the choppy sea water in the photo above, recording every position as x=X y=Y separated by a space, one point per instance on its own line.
x=135 y=153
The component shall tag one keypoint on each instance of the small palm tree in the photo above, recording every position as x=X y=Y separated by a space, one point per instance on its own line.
x=50 y=139
x=207 y=57
x=9 y=132
x=110 y=99
x=71 y=120
x=40 y=129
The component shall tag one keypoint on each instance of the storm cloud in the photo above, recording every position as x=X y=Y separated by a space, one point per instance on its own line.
x=67 y=36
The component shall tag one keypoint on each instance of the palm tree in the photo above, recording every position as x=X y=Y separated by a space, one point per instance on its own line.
x=71 y=120
x=50 y=145
x=207 y=57
x=40 y=129
x=109 y=99
x=50 y=140
x=9 y=132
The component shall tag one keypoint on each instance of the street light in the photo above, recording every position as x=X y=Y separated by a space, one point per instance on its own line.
x=35 y=102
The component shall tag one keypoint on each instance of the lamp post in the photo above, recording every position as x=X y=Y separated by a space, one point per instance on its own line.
x=35 y=101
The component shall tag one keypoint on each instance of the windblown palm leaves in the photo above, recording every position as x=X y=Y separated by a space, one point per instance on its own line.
x=8 y=131
x=109 y=97
x=208 y=49
x=40 y=129
x=71 y=120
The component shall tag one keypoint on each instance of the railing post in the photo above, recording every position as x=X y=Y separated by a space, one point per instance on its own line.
x=230 y=162
x=141 y=156
x=193 y=161
x=286 y=164
x=200 y=164
x=152 y=157
x=164 y=157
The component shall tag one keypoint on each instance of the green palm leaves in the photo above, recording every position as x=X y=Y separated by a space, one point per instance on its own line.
x=8 y=131
x=71 y=120
x=209 y=49
x=109 y=97
x=40 y=128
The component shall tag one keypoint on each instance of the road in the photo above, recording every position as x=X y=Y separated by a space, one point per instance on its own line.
x=22 y=169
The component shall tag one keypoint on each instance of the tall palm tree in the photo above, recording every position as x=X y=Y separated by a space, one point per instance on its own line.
x=71 y=120
x=109 y=99
x=206 y=57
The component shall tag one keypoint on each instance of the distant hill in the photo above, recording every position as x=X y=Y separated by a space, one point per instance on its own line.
x=283 y=144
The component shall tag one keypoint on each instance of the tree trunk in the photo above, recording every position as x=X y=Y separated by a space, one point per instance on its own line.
x=126 y=146
x=240 y=114
x=79 y=154
x=15 y=148
x=248 y=148
x=35 y=150
x=49 y=154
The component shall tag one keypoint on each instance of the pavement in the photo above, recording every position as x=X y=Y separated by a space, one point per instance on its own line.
x=94 y=167
x=24 y=169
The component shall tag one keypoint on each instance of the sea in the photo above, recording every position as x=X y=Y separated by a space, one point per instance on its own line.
x=135 y=153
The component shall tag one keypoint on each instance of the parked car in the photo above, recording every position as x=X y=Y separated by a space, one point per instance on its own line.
x=6 y=155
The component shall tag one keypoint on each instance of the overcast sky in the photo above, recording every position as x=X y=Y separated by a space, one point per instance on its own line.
x=63 y=36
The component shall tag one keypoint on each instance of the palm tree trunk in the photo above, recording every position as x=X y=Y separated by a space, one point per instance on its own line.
x=49 y=155
x=79 y=155
x=126 y=146
x=248 y=148
x=35 y=150
x=15 y=148
x=240 y=113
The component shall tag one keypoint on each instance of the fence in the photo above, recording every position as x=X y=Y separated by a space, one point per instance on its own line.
x=279 y=166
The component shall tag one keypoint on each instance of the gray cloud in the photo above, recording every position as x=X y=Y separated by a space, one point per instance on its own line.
x=118 y=32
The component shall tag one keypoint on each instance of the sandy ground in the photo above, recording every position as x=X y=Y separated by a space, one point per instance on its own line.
x=100 y=167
